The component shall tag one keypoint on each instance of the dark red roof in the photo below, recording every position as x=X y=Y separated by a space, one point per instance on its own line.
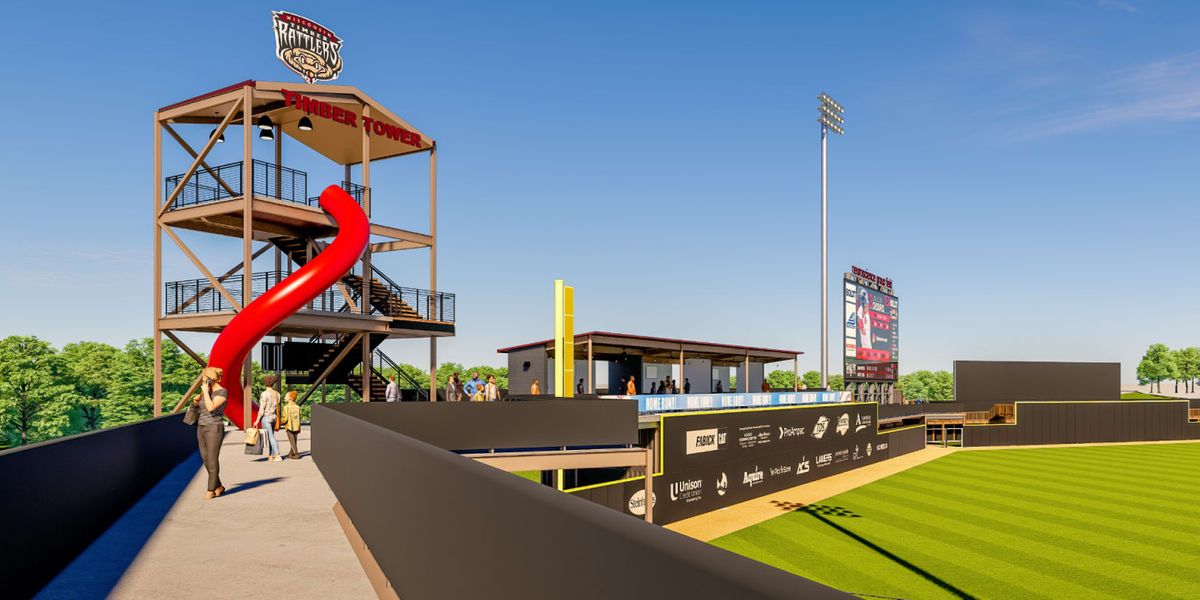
x=230 y=88
x=651 y=339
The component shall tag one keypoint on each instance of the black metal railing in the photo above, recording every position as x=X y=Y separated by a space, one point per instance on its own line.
x=381 y=362
x=356 y=191
x=225 y=181
x=430 y=306
x=194 y=296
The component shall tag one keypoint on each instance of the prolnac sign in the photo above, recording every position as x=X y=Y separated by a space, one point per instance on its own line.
x=306 y=47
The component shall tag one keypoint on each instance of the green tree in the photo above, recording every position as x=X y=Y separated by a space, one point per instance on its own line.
x=1189 y=365
x=1157 y=364
x=35 y=404
x=1186 y=364
x=780 y=379
x=927 y=386
x=445 y=370
x=811 y=379
x=837 y=383
x=89 y=369
x=131 y=396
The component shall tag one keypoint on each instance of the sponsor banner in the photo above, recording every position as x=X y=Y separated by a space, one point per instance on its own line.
x=714 y=460
x=697 y=402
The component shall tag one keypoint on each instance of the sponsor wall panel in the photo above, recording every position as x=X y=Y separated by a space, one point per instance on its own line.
x=715 y=459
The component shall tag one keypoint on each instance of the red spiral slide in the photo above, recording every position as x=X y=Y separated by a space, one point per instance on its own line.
x=260 y=316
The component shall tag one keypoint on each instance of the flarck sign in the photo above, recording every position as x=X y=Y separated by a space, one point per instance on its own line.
x=306 y=47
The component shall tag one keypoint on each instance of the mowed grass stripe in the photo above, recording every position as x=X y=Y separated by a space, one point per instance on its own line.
x=1128 y=463
x=1035 y=520
x=963 y=530
x=1158 y=512
x=916 y=549
x=1081 y=556
x=823 y=552
x=1165 y=493
x=1114 y=510
x=1082 y=522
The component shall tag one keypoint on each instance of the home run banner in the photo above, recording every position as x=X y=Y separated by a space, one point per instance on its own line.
x=713 y=460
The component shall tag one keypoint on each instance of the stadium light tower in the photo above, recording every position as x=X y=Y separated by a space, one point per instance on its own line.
x=830 y=118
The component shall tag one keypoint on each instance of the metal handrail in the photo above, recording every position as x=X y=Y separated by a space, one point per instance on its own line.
x=270 y=180
x=356 y=191
x=383 y=358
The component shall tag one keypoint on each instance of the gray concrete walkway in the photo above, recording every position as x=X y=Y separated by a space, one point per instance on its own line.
x=272 y=533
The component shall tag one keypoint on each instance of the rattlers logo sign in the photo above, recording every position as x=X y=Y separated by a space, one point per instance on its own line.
x=307 y=48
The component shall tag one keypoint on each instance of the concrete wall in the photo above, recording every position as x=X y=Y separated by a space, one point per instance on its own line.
x=753 y=383
x=521 y=377
x=698 y=371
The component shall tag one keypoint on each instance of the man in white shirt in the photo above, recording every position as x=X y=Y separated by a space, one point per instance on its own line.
x=392 y=393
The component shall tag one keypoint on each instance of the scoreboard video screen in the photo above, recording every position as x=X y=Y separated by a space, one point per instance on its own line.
x=872 y=340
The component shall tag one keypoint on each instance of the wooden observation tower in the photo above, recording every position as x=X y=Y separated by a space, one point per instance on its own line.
x=272 y=208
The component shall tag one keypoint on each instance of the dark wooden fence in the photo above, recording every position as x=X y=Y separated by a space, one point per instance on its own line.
x=443 y=526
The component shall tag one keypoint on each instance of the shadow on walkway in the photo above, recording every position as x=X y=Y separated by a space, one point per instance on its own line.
x=249 y=485
x=95 y=572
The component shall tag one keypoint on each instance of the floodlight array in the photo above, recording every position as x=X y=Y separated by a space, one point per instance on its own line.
x=830 y=114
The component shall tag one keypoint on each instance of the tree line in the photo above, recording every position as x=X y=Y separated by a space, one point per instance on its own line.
x=1160 y=363
x=84 y=386
x=926 y=386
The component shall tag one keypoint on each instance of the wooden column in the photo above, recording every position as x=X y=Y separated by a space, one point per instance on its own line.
x=590 y=369
x=796 y=374
x=746 y=374
x=434 y=308
x=247 y=233
x=364 y=304
x=157 y=307
x=681 y=376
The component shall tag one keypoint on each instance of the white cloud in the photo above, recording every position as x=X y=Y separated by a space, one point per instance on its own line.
x=1159 y=91
x=1118 y=5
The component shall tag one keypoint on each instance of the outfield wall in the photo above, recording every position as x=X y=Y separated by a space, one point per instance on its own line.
x=981 y=383
x=710 y=460
x=1081 y=422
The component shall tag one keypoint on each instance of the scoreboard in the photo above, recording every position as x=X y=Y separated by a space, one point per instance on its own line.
x=872 y=329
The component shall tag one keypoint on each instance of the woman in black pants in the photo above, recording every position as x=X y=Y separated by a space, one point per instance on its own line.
x=210 y=429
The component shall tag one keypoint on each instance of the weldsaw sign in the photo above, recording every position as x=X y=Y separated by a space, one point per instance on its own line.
x=306 y=47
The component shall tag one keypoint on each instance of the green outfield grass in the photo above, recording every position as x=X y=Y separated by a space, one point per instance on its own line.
x=1084 y=522
x=1142 y=396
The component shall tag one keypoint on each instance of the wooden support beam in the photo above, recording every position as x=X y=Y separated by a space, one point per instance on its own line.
x=184 y=347
x=233 y=109
x=188 y=394
x=221 y=279
x=237 y=306
x=157 y=306
x=247 y=232
x=207 y=169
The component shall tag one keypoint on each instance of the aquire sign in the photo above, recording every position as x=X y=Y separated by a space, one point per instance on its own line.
x=349 y=118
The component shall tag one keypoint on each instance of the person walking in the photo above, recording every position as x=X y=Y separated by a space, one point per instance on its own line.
x=210 y=429
x=631 y=387
x=491 y=390
x=392 y=392
x=452 y=387
x=766 y=387
x=719 y=390
x=290 y=419
x=653 y=387
x=535 y=389
x=579 y=387
x=268 y=419
x=687 y=386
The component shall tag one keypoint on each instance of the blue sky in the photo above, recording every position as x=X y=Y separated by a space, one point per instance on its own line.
x=1026 y=174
